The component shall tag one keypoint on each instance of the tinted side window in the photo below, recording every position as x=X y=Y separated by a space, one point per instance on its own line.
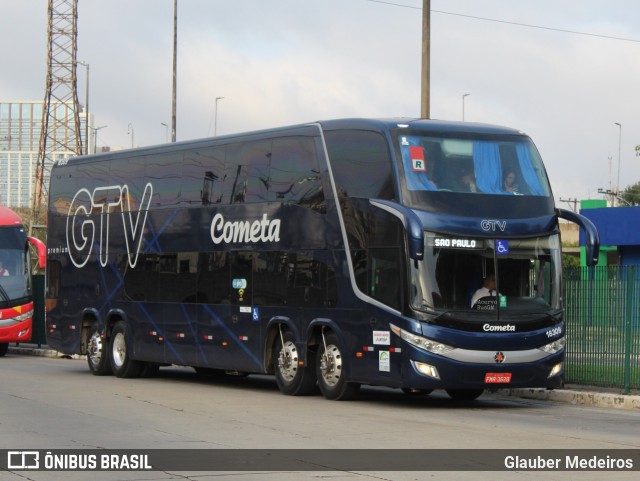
x=142 y=283
x=214 y=278
x=361 y=164
x=376 y=240
x=164 y=171
x=248 y=172
x=293 y=279
x=204 y=174
x=270 y=277
x=184 y=277
x=295 y=176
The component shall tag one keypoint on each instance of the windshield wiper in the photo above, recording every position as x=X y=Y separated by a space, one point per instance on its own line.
x=4 y=294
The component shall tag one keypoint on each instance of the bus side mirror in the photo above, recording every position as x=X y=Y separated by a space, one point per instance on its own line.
x=412 y=225
x=592 y=239
x=41 y=250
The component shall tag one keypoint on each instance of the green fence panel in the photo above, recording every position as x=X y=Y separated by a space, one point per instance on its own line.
x=602 y=307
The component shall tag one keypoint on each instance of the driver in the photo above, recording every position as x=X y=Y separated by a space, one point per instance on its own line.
x=488 y=289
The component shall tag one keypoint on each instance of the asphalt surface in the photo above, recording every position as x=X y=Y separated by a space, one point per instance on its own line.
x=578 y=395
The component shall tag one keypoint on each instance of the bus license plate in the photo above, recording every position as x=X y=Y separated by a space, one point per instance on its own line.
x=497 y=378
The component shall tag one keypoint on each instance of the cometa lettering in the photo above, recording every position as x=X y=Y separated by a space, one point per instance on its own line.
x=505 y=328
x=263 y=230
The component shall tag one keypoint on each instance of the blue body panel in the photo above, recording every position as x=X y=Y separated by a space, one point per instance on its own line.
x=99 y=281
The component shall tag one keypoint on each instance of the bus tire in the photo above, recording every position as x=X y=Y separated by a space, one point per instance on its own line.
x=464 y=394
x=4 y=347
x=97 y=353
x=292 y=378
x=329 y=366
x=121 y=362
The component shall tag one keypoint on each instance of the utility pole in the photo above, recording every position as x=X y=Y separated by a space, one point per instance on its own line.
x=425 y=104
x=175 y=70
x=573 y=201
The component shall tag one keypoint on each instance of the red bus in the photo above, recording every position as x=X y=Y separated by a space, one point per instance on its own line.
x=16 y=290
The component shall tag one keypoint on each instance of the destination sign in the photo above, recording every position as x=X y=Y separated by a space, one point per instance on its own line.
x=457 y=243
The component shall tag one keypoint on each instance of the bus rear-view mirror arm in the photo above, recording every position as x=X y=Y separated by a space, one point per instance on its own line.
x=412 y=224
x=41 y=250
x=592 y=239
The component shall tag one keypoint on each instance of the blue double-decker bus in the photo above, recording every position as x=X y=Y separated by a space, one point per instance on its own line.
x=413 y=254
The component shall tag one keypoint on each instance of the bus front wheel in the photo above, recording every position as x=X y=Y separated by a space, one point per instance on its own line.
x=329 y=364
x=293 y=378
x=4 y=347
x=97 y=356
x=121 y=362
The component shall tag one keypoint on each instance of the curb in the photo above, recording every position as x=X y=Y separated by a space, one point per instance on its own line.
x=41 y=352
x=582 y=398
x=565 y=396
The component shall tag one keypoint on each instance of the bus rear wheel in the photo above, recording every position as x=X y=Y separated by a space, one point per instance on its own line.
x=121 y=362
x=329 y=364
x=97 y=356
x=4 y=347
x=464 y=394
x=293 y=378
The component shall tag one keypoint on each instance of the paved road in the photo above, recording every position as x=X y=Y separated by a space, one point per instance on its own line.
x=49 y=403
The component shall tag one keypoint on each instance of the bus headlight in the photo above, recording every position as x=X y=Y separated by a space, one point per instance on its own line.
x=25 y=316
x=421 y=342
x=555 y=346
x=556 y=370
x=426 y=369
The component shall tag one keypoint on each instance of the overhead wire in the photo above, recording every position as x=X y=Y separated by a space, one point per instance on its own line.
x=507 y=22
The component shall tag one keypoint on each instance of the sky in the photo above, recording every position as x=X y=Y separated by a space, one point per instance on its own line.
x=282 y=62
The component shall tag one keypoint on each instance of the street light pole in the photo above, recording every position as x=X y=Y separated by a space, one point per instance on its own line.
x=215 y=122
x=619 y=150
x=95 y=135
x=463 y=97
x=86 y=110
x=130 y=132
x=166 y=131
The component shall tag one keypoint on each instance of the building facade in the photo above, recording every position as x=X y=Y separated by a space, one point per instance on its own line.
x=20 y=129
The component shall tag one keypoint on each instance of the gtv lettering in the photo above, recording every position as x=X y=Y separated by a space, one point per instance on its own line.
x=492 y=225
x=81 y=229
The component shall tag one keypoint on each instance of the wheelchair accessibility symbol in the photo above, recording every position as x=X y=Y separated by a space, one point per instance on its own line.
x=502 y=247
x=255 y=314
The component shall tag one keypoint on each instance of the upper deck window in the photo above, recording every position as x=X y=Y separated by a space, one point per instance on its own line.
x=360 y=163
x=506 y=165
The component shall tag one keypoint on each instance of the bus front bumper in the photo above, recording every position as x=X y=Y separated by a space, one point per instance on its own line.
x=15 y=331
x=430 y=371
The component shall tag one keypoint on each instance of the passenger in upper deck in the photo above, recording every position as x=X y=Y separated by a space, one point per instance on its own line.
x=510 y=182
x=466 y=181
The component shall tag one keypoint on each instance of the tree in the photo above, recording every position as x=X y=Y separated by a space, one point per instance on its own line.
x=631 y=195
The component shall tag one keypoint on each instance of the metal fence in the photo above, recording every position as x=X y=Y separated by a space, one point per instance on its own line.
x=602 y=310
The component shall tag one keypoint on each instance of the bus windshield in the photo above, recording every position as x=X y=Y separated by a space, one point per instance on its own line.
x=14 y=273
x=488 y=275
x=480 y=164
